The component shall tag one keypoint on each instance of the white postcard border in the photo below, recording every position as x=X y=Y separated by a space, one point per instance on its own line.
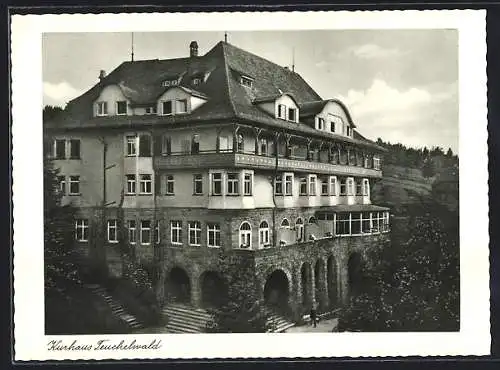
x=26 y=57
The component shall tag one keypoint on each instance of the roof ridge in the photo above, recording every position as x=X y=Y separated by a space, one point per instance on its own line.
x=227 y=76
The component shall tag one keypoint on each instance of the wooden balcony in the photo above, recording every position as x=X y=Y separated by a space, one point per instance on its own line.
x=245 y=160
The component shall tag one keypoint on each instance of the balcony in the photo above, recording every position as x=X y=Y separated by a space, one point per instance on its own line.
x=245 y=160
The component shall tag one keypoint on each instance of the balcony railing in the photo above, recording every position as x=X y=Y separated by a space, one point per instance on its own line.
x=246 y=160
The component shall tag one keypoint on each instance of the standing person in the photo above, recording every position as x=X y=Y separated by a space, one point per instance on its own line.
x=313 y=316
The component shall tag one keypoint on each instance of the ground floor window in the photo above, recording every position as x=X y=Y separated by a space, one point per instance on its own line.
x=263 y=234
x=82 y=230
x=245 y=235
x=213 y=235
x=176 y=232
x=132 y=233
x=194 y=233
x=145 y=232
x=112 y=231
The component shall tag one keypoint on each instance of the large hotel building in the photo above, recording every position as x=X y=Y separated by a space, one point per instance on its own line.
x=221 y=155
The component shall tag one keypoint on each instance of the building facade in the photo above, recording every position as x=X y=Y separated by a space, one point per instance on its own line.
x=224 y=154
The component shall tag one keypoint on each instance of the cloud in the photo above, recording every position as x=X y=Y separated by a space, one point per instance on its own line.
x=415 y=116
x=58 y=94
x=373 y=51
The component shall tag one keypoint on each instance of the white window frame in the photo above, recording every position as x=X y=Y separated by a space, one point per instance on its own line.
x=195 y=227
x=169 y=181
x=312 y=185
x=143 y=229
x=282 y=111
x=214 y=229
x=288 y=184
x=321 y=123
x=197 y=179
x=132 y=231
x=263 y=234
x=102 y=108
x=131 y=183
x=172 y=106
x=71 y=180
x=233 y=184
x=132 y=145
x=178 y=106
x=247 y=183
x=176 y=229
x=325 y=185
x=150 y=110
x=350 y=186
x=214 y=181
x=126 y=108
x=246 y=81
x=333 y=185
x=302 y=182
x=359 y=186
x=376 y=163
x=278 y=180
x=143 y=183
x=82 y=230
x=112 y=226
x=245 y=235
x=366 y=187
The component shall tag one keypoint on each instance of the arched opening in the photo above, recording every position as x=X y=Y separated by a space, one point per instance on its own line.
x=178 y=286
x=332 y=281
x=319 y=286
x=305 y=279
x=312 y=220
x=285 y=223
x=214 y=290
x=245 y=235
x=355 y=272
x=276 y=291
x=299 y=226
x=263 y=234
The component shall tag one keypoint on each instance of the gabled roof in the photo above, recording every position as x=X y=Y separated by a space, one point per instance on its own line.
x=224 y=64
x=309 y=109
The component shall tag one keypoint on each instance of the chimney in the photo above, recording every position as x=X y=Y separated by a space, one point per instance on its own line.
x=102 y=74
x=193 y=49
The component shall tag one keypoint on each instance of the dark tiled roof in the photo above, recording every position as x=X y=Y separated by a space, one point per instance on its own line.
x=221 y=68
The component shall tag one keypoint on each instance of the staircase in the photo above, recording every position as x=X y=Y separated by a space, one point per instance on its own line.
x=279 y=323
x=116 y=308
x=181 y=318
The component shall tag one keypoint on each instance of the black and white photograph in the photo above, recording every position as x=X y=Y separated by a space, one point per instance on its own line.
x=237 y=181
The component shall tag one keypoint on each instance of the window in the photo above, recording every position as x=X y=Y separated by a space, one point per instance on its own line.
x=131 y=145
x=131 y=180
x=223 y=143
x=145 y=232
x=195 y=144
x=332 y=126
x=144 y=146
x=112 y=231
x=167 y=83
x=285 y=223
x=181 y=106
x=334 y=154
x=196 y=81
x=170 y=184
x=74 y=185
x=356 y=223
x=299 y=227
x=245 y=81
x=74 y=149
x=145 y=183
x=151 y=109
x=132 y=235
x=343 y=224
x=263 y=234
x=194 y=234
x=60 y=149
x=62 y=184
x=213 y=235
x=376 y=163
x=348 y=131
x=198 y=184
x=303 y=186
x=176 y=232
x=292 y=114
x=263 y=146
x=312 y=185
x=278 y=185
x=82 y=230
x=240 y=143
x=367 y=161
x=247 y=184
x=366 y=187
x=321 y=123
x=324 y=186
x=333 y=185
x=359 y=187
x=312 y=220
x=281 y=111
x=232 y=184
x=167 y=107
x=245 y=235
x=166 y=145
x=157 y=232
x=217 y=183
x=288 y=184
x=343 y=186
x=366 y=224
x=121 y=107
x=350 y=186
x=102 y=108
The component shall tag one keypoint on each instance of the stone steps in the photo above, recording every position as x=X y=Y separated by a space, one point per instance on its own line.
x=279 y=323
x=181 y=318
x=116 y=308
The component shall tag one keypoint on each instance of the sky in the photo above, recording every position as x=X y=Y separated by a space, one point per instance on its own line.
x=399 y=85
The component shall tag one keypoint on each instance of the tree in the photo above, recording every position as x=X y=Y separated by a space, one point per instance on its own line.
x=51 y=112
x=242 y=312
x=449 y=153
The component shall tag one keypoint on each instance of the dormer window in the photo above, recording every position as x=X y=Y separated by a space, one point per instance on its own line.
x=246 y=81
x=102 y=108
x=292 y=114
x=151 y=109
x=281 y=111
x=167 y=107
x=169 y=83
x=348 y=130
x=121 y=107
x=181 y=106
x=321 y=123
x=196 y=81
